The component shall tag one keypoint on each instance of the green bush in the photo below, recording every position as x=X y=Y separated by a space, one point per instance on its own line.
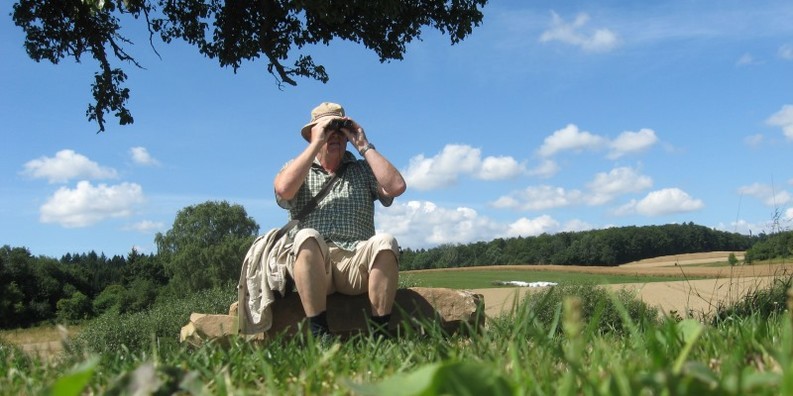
x=136 y=331
x=597 y=306
x=75 y=308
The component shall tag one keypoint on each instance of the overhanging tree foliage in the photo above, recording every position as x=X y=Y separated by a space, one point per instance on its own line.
x=232 y=32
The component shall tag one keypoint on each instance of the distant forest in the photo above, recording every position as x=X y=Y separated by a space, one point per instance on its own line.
x=606 y=247
x=201 y=252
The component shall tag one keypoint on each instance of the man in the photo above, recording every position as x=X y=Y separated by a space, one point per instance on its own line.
x=335 y=248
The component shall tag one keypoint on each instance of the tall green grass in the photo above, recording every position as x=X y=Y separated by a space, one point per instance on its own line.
x=576 y=340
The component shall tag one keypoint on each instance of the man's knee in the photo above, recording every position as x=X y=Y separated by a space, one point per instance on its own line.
x=386 y=243
x=309 y=249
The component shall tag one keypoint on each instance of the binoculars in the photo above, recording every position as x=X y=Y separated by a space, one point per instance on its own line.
x=337 y=124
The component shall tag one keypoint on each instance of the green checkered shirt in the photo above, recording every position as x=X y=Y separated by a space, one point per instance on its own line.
x=346 y=215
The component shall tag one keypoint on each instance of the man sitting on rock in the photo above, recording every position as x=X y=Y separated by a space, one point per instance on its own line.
x=335 y=248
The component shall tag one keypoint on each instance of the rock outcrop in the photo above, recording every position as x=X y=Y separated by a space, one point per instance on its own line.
x=417 y=310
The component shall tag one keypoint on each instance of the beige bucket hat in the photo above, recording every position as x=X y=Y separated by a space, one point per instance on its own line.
x=325 y=109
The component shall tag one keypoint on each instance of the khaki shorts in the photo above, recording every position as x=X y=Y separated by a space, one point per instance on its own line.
x=347 y=272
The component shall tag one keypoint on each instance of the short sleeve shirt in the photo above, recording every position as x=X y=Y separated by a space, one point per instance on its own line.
x=345 y=215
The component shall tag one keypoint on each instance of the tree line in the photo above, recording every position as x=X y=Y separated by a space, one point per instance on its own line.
x=605 y=247
x=207 y=243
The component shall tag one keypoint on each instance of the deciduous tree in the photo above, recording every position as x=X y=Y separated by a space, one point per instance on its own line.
x=206 y=244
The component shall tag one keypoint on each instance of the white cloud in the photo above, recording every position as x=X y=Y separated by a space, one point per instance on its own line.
x=141 y=156
x=146 y=226
x=455 y=160
x=570 y=138
x=88 y=204
x=766 y=194
x=662 y=202
x=607 y=186
x=532 y=227
x=602 y=189
x=545 y=169
x=422 y=223
x=632 y=142
x=784 y=119
x=599 y=40
x=499 y=168
x=539 y=198
x=67 y=165
x=786 y=52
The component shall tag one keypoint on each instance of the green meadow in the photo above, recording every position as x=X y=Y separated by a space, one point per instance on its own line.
x=574 y=339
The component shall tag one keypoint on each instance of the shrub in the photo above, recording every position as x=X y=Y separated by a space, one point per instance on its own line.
x=596 y=305
x=136 y=331
x=74 y=308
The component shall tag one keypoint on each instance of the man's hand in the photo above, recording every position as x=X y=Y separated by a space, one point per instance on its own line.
x=356 y=136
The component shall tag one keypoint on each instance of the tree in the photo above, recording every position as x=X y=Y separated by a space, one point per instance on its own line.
x=231 y=32
x=206 y=244
x=75 y=308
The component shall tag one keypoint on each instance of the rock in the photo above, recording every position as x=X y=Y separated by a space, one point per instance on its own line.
x=203 y=327
x=416 y=310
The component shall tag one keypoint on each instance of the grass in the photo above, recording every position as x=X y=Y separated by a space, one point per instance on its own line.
x=571 y=350
x=479 y=279
x=571 y=340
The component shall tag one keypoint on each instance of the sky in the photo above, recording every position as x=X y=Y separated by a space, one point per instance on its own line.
x=550 y=117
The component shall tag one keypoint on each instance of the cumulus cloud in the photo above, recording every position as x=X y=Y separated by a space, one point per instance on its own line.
x=88 y=204
x=570 y=138
x=606 y=186
x=454 y=160
x=632 y=142
x=766 y=194
x=67 y=165
x=574 y=33
x=783 y=119
x=786 y=52
x=423 y=223
x=532 y=227
x=662 y=202
x=539 y=198
x=545 y=169
x=602 y=189
x=141 y=156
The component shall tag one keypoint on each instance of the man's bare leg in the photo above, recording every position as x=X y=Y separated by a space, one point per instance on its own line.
x=383 y=282
x=310 y=278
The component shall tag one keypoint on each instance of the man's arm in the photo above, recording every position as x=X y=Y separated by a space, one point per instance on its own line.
x=391 y=182
x=288 y=181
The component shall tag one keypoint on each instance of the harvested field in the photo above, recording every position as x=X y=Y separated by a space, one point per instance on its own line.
x=726 y=284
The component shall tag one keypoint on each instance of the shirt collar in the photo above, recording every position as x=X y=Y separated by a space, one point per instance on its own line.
x=347 y=158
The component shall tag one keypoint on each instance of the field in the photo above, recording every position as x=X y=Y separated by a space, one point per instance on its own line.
x=695 y=283
x=574 y=346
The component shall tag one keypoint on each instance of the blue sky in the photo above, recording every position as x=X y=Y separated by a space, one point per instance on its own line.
x=550 y=117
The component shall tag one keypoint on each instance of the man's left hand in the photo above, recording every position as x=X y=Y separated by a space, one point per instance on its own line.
x=356 y=136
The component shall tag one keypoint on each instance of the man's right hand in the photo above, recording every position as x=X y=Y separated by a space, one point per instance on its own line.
x=320 y=131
